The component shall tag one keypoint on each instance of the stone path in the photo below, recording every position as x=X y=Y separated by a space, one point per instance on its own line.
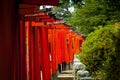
x=66 y=75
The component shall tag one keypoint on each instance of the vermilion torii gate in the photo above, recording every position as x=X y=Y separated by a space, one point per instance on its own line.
x=33 y=44
x=48 y=42
x=9 y=35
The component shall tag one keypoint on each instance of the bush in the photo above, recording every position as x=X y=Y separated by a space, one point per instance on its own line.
x=101 y=53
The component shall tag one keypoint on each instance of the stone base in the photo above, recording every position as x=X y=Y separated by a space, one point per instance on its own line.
x=65 y=77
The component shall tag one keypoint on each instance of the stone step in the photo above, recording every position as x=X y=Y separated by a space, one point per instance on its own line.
x=67 y=72
x=65 y=77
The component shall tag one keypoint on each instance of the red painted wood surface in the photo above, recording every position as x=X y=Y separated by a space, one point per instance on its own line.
x=54 y=62
x=19 y=56
x=45 y=54
x=37 y=56
x=23 y=71
x=40 y=2
x=47 y=45
x=32 y=57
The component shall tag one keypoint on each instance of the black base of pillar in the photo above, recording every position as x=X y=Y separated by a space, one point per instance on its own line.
x=63 y=66
x=54 y=77
x=59 y=68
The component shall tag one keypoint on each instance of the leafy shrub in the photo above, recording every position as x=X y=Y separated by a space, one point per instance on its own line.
x=101 y=53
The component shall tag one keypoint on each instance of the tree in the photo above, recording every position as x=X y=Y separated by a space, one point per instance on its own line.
x=95 y=13
x=101 y=51
x=62 y=10
x=64 y=3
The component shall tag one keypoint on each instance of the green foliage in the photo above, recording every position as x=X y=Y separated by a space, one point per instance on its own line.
x=62 y=10
x=64 y=3
x=95 y=13
x=62 y=13
x=101 y=51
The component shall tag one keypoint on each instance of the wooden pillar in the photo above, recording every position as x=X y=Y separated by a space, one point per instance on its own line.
x=32 y=57
x=45 y=54
x=22 y=55
x=37 y=55
x=9 y=40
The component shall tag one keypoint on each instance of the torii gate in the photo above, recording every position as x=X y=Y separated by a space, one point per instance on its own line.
x=37 y=55
x=18 y=64
x=9 y=36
